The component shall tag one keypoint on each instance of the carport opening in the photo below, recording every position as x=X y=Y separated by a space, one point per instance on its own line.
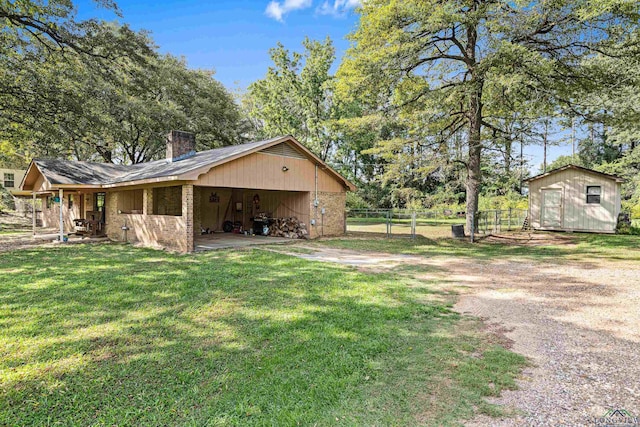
x=251 y=212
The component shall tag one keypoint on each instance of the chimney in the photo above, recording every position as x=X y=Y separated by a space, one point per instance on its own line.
x=180 y=145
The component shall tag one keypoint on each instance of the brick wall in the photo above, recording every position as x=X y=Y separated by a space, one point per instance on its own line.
x=180 y=145
x=51 y=216
x=160 y=231
x=332 y=222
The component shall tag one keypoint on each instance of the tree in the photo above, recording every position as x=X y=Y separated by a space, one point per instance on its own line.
x=53 y=25
x=440 y=62
x=62 y=94
x=295 y=97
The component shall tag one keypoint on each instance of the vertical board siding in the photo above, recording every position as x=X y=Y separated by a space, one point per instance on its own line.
x=264 y=171
x=277 y=204
x=577 y=214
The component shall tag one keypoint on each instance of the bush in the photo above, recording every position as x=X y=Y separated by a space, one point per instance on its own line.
x=356 y=201
x=628 y=229
x=6 y=200
x=510 y=200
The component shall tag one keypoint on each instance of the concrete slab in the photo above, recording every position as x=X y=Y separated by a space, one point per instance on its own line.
x=215 y=241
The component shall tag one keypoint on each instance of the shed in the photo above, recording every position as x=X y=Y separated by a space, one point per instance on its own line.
x=573 y=198
x=170 y=202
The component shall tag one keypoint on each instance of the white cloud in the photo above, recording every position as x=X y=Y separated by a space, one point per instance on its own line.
x=277 y=9
x=338 y=7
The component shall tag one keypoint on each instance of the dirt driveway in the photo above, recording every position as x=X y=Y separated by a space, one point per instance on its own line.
x=578 y=323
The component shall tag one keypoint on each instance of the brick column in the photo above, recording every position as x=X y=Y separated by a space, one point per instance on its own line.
x=187 y=214
x=147 y=201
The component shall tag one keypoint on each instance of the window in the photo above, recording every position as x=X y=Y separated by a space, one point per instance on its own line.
x=593 y=194
x=70 y=201
x=9 y=180
x=167 y=201
x=99 y=201
x=130 y=201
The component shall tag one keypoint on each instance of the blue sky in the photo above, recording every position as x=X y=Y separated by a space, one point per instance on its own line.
x=234 y=37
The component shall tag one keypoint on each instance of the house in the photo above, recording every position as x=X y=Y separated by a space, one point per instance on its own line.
x=573 y=198
x=10 y=179
x=168 y=202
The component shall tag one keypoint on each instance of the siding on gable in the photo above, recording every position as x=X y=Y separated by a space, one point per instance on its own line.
x=264 y=171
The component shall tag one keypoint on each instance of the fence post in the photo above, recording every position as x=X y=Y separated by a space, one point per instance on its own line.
x=495 y=220
x=509 y=219
x=388 y=224
x=413 y=224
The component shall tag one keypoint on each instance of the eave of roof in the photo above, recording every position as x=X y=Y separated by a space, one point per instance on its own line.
x=563 y=168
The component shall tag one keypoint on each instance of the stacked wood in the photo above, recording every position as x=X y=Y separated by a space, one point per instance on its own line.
x=290 y=228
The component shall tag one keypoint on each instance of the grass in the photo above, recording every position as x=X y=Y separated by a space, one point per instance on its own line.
x=113 y=335
x=583 y=247
x=13 y=232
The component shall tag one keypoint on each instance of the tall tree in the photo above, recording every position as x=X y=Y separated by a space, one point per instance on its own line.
x=436 y=60
x=295 y=97
x=98 y=91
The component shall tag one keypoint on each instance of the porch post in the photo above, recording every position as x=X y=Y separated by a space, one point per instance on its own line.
x=33 y=212
x=187 y=214
x=61 y=196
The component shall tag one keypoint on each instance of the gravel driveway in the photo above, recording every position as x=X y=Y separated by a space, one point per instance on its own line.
x=578 y=323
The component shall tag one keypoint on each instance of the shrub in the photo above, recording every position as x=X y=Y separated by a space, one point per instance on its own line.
x=6 y=200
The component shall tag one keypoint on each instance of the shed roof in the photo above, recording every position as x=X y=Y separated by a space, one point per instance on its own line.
x=563 y=168
x=67 y=172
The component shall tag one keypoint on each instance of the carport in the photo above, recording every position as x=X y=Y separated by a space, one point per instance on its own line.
x=276 y=185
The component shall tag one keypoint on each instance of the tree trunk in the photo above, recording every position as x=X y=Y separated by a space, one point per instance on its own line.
x=474 y=176
x=474 y=115
x=507 y=155
x=544 y=145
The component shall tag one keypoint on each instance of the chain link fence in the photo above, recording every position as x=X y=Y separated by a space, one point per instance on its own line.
x=432 y=223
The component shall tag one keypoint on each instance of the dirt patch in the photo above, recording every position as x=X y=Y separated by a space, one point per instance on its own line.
x=578 y=323
x=531 y=239
x=10 y=221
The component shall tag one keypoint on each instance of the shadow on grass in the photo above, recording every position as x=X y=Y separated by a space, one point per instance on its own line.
x=109 y=334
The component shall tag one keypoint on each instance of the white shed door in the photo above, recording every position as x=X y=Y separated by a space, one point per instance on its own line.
x=551 y=208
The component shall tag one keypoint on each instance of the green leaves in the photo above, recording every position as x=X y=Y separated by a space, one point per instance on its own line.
x=481 y=73
x=296 y=96
x=92 y=90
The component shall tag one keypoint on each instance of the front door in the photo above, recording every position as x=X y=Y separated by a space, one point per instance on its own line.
x=551 y=209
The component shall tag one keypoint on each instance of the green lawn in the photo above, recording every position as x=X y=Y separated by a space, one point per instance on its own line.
x=583 y=247
x=113 y=335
